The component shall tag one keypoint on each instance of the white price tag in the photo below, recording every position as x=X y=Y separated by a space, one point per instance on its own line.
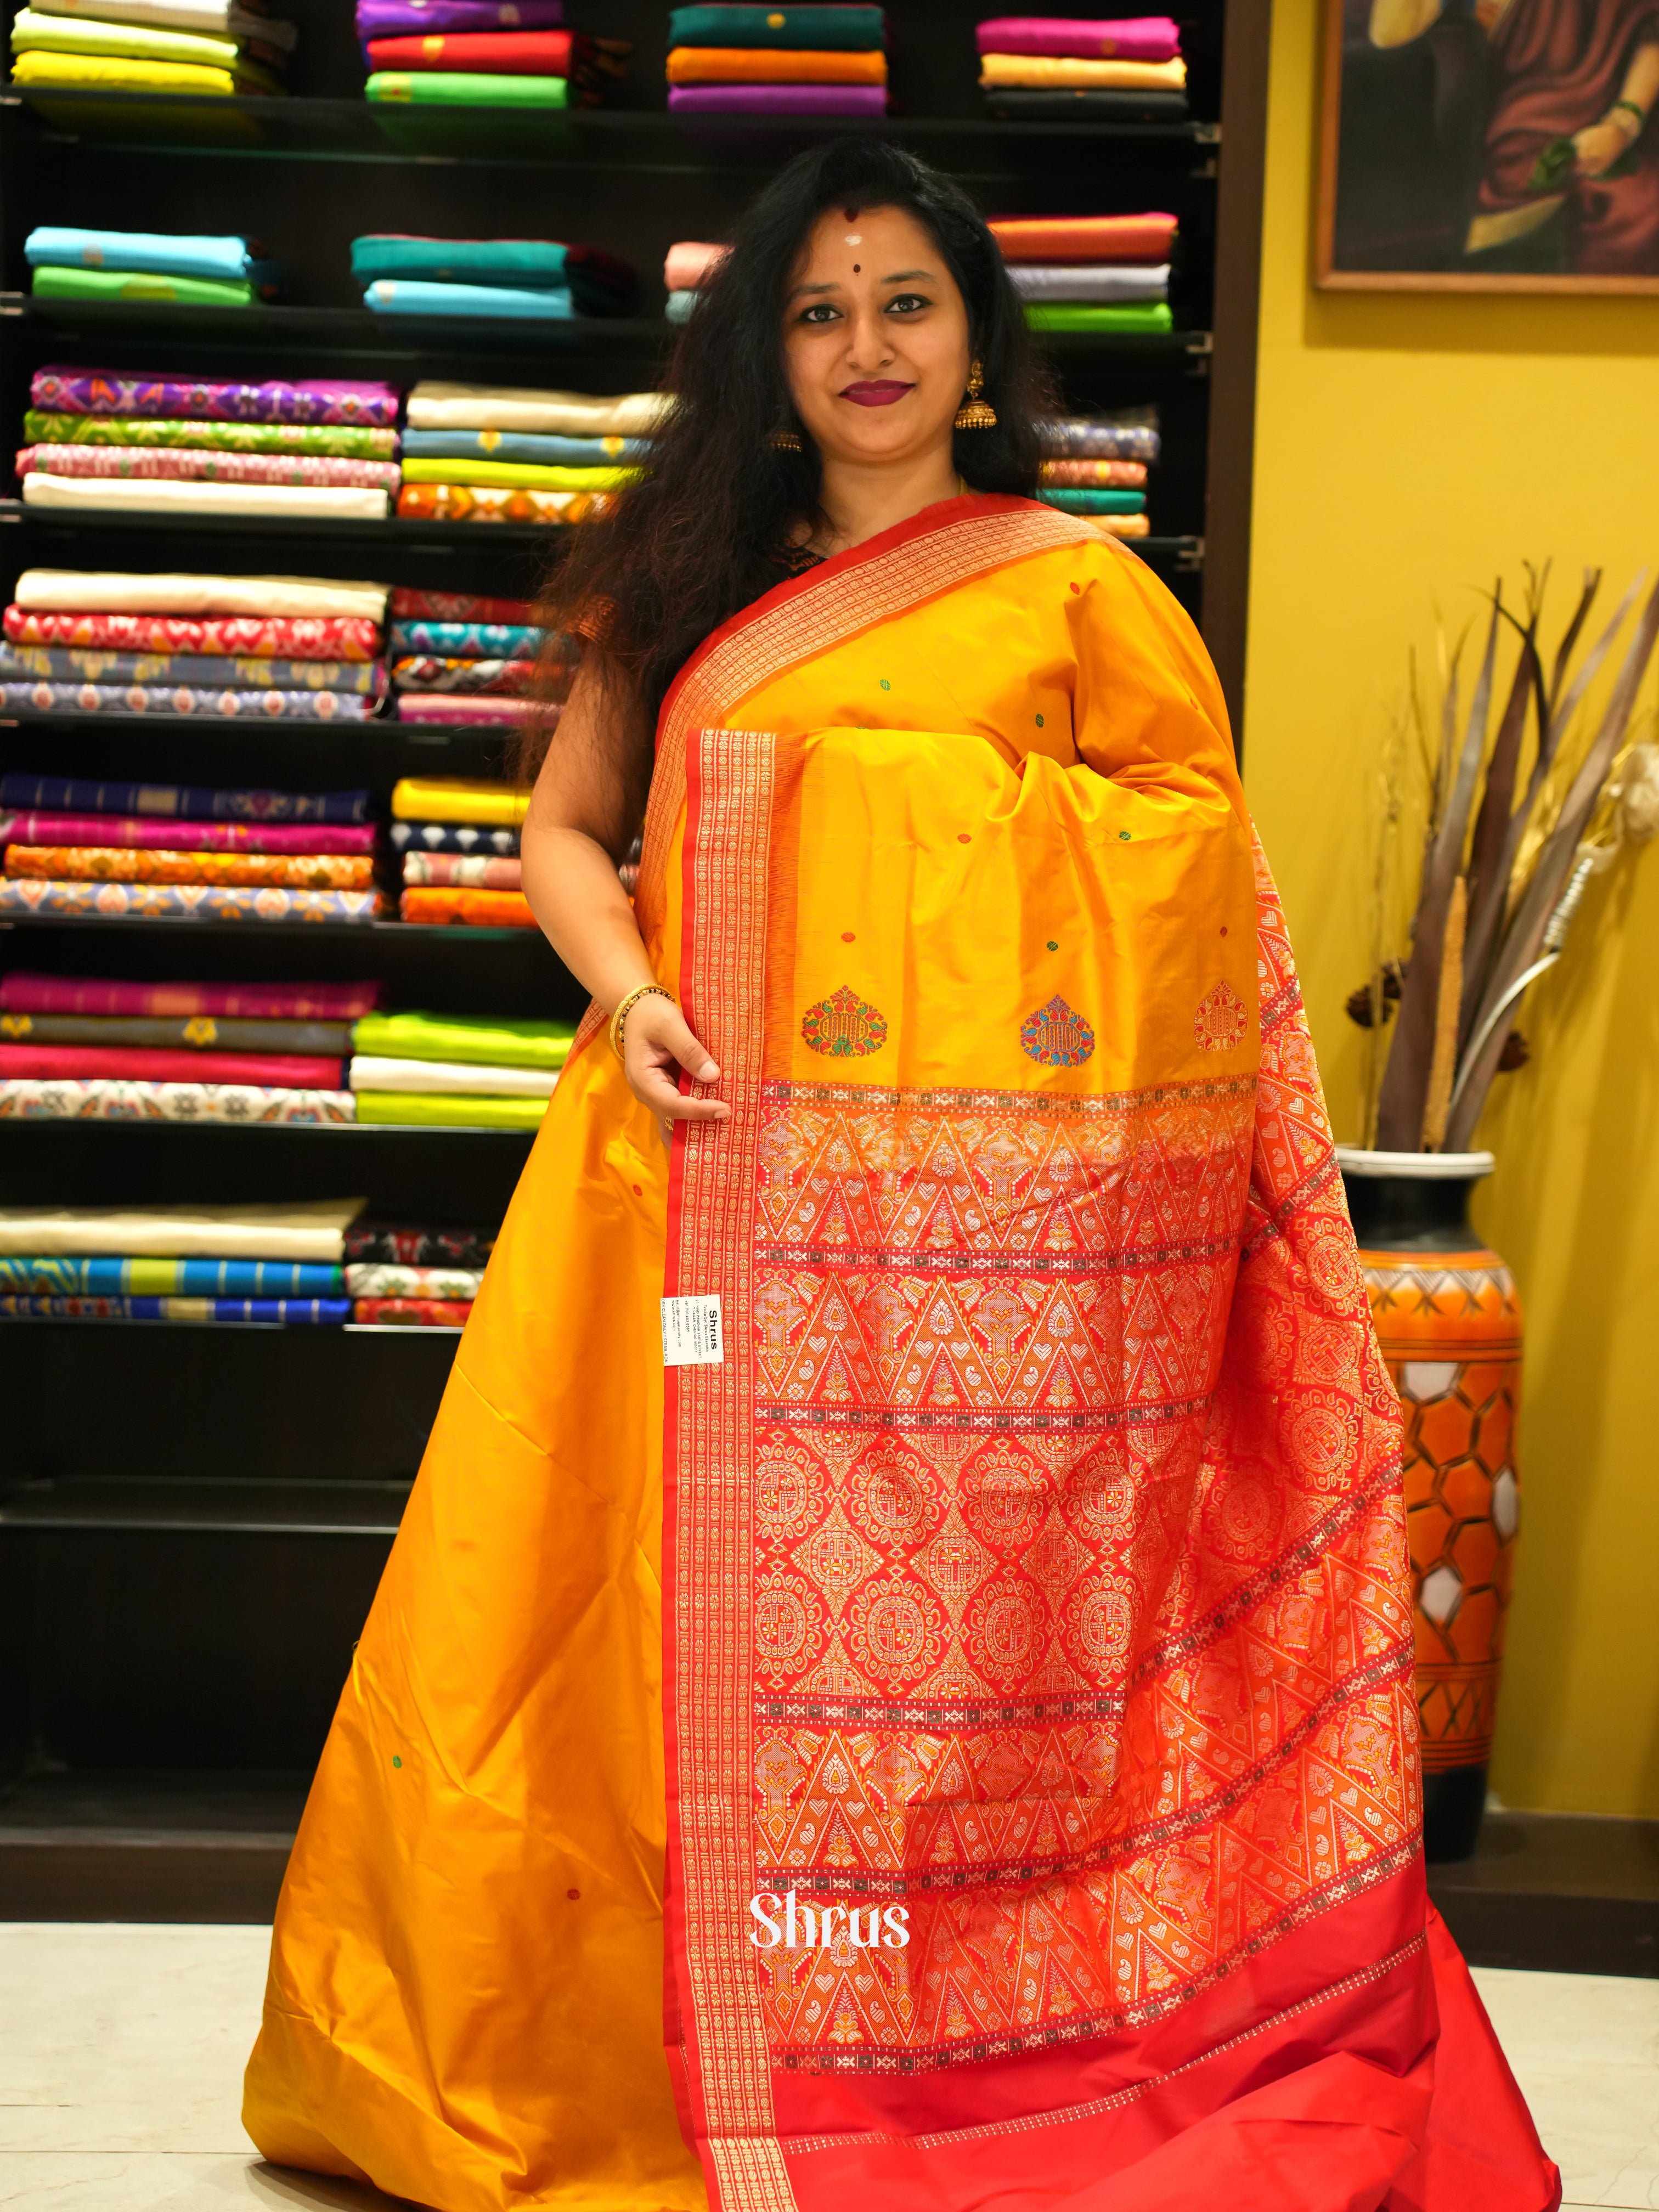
x=691 y=1333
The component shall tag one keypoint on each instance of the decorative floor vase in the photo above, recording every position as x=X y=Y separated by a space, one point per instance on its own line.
x=1449 y=1323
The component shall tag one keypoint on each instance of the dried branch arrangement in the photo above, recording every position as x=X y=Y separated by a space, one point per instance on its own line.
x=1502 y=875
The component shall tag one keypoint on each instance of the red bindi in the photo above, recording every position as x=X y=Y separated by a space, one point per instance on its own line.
x=855 y=268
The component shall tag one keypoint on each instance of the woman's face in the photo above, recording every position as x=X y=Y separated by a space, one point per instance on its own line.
x=875 y=338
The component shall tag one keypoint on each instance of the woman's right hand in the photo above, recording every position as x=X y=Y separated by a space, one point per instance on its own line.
x=657 y=1044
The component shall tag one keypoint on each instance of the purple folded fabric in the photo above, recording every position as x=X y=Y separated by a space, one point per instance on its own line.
x=778 y=99
x=1129 y=39
x=392 y=19
x=151 y=393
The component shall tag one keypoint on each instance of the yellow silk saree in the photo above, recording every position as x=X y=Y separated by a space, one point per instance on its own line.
x=958 y=1750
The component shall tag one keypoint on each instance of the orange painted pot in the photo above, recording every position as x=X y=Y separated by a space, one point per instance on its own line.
x=1449 y=1324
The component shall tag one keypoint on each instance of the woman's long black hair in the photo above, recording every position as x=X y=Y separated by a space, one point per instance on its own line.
x=701 y=536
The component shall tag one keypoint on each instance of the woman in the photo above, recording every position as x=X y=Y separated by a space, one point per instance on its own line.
x=977 y=1686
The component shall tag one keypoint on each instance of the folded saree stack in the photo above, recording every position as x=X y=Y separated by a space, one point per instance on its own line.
x=475 y=453
x=87 y=1048
x=126 y=851
x=106 y=440
x=414 y=1276
x=484 y=53
x=456 y=1071
x=269 y=648
x=275 y=1264
x=68 y=264
x=526 y=279
x=791 y=60
x=460 y=847
x=211 y=47
x=686 y=272
x=1089 y=459
x=1091 y=272
x=456 y=658
x=1052 y=68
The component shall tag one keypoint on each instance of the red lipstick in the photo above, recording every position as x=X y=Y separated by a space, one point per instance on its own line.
x=879 y=394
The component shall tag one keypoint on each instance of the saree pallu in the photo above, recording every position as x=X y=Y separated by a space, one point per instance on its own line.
x=1029 y=1572
x=454 y=502
x=395 y=1243
x=388 y=1280
x=70 y=794
x=480 y=872
x=411 y=1313
x=86 y=994
x=1137 y=37
x=455 y=903
x=181 y=836
x=464 y=607
x=181 y=495
x=201 y=671
x=283 y=1313
x=180 y=462
x=42 y=1275
x=220 y=703
x=328 y=1039
x=239 y=637
x=424 y=672
x=30 y=1099
x=451 y=837
x=453 y=643
x=187 y=901
x=143 y=864
x=317 y=399
x=42 y=427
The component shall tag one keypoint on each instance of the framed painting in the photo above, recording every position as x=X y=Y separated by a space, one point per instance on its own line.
x=1489 y=146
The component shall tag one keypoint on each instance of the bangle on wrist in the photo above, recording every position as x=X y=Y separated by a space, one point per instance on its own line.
x=626 y=1006
x=1630 y=107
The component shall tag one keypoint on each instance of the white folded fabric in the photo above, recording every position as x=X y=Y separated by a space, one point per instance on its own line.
x=367 y=1279
x=560 y=414
x=94 y=591
x=307 y=1229
x=1033 y=281
x=180 y=495
x=372 y=1072
x=217 y=19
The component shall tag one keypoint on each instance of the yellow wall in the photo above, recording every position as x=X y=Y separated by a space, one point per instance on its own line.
x=1409 y=449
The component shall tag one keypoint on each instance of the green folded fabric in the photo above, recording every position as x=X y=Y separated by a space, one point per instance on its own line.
x=1074 y=500
x=1068 y=315
x=133 y=284
x=484 y=1040
x=797 y=28
x=441 y=1110
x=451 y=88
x=351 y=440
x=526 y=475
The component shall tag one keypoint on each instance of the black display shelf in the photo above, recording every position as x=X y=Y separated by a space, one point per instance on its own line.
x=200 y=1505
x=353 y=1328
x=305 y=932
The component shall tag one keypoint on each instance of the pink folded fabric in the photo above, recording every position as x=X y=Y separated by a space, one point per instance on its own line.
x=461 y=707
x=170 y=836
x=24 y=993
x=778 y=99
x=89 y=1063
x=690 y=266
x=1132 y=38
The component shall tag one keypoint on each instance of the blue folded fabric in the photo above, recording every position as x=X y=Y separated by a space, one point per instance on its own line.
x=535 y=445
x=398 y=296
x=146 y=252
x=199 y=1278
x=680 y=305
x=528 y=265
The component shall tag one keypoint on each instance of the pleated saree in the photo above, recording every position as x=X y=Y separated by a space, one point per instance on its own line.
x=982 y=1702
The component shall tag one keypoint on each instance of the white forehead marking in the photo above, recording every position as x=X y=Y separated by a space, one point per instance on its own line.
x=854 y=237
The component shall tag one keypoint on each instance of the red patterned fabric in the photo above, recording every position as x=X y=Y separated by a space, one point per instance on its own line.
x=279 y=637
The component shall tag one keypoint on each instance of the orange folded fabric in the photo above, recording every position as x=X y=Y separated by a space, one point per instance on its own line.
x=457 y=902
x=119 y=863
x=772 y=65
x=1085 y=237
x=1121 y=526
x=1091 y=475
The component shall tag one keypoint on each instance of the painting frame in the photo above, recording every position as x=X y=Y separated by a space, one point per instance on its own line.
x=1329 y=277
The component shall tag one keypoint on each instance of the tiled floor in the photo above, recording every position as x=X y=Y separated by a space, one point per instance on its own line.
x=121 y=2053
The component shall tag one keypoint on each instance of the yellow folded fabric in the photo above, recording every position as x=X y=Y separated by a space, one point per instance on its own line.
x=528 y=476
x=1039 y=71
x=772 y=65
x=450 y=799
x=69 y=34
x=41 y=66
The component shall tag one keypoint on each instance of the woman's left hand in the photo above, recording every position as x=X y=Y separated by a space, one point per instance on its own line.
x=1600 y=146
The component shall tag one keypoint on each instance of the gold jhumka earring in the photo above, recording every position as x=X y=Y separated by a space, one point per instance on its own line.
x=975 y=413
x=784 y=441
